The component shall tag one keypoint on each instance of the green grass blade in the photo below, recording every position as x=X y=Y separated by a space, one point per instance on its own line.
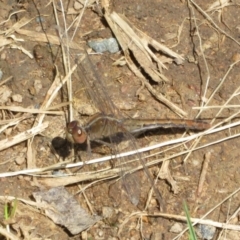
x=192 y=234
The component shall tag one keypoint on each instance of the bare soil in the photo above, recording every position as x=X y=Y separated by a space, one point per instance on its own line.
x=209 y=46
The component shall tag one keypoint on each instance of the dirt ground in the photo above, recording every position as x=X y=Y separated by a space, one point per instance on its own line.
x=87 y=202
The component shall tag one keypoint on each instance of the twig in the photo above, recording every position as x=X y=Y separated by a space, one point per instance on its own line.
x=203 y=173
x=22 y=136
x=212 y=22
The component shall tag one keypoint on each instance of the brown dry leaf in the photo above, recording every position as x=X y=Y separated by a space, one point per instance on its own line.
x=65 y=180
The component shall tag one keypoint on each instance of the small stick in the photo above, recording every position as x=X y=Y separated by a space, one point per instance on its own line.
x=203 y=173
x=6 y=80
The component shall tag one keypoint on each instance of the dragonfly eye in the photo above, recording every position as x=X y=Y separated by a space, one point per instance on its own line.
x=71 y=126
x=75 y=133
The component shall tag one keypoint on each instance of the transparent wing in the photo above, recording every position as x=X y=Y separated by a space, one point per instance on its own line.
x=106 y=126
x=94 y=86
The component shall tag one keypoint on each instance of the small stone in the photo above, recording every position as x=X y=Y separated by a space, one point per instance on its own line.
x=107 y=212
x=32 y=90
x=84 y=235
x=100 y=46
x=38 y=29
x=40 y=19
x=153 y=202
x=1 y=74
x=37 y=86
x=176 y=228
x=206 y=231
x=156 y=236
x=195 y=162
x=141 y=97
x=236 y=57
x=3 y=56
x=17 y=98
x=83 y=107
x=110 y=214
x=5 y=93
x=77 y=6
x=27 y=178
x=8 y=131
x=100 y=233
x=20 y=160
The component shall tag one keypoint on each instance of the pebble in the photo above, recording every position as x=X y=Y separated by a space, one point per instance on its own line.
x=5 y=93
x=107 y=212
x=195 y=162
x=156 y=236
x=176 y=228
x=17 y=98
x=38 y=29
x=141 y=97
x=8 y=131
x=236 y=57
x=100 y=233
x=40 y=19
x=206 y=231
x=1 y=74
x=20 y=160
x=3 y=56
x=37 y=86
x=58 y=173
x=83 y=107
x=84 y=235
x=77 y=6
x=100 y=46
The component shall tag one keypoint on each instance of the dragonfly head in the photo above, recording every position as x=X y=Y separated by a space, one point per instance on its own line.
x=75 y=133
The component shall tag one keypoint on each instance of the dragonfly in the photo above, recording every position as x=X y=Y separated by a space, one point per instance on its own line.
x=96 y=127
x=111 y=125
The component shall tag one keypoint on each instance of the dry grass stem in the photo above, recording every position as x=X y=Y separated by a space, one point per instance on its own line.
x=7 y=79
x=5 y=41
x=141 y=150
x=22 y=49
x=11 y=141
x=30 y=110
x=9 y=17
x=220 y=225
x=139 y=53
x=199 y=221
x=55 y=181
x=21 y=23
x=219 y=5
x=7 y=234
x=216 y=107
x=12 y=122
x=212 y=22
x=210 y=98
x=134 y=41
x=41 y=37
